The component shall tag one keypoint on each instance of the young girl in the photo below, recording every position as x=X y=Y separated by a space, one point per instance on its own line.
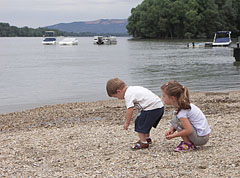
x=188 y=120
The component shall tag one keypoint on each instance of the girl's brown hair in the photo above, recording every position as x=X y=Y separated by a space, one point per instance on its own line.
x=173 y=88
x=113 y=85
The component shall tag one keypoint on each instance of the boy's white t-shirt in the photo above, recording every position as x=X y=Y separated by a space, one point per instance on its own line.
x=142 y=98
x=196 y=118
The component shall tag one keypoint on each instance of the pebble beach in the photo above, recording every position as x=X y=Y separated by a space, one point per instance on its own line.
x=88 y=140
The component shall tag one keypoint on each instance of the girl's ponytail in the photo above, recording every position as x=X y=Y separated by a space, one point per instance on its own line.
x=183 y=100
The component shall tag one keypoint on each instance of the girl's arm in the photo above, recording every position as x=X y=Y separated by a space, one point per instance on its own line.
x=170 y=131
x=187 y=129
x=129 y=114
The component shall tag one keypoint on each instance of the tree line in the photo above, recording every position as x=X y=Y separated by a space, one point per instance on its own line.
x=184 y=18
x=12 y=31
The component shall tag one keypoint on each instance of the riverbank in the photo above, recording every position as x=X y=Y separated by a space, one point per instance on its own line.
x=88 y=140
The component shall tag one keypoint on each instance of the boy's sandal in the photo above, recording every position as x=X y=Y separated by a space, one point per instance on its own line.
x=149 y=140
x=140 y=145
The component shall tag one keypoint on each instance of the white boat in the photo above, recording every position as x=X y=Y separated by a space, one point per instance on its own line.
x=49 y=41
x=68 y=41
x=196 y=45
x=98 y=40
x=49 y=38
x=199 y=44
x=222 y=38
x=108 y=40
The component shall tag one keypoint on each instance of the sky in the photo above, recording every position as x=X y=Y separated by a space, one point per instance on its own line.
x=40 y=13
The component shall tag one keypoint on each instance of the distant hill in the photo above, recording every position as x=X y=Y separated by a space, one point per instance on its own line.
x=102 y=26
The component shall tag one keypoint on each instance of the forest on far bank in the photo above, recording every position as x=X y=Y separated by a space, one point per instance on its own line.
x=184 y=18
x=12 y=31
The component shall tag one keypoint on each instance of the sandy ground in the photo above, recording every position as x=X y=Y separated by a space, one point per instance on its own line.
x=88 y=140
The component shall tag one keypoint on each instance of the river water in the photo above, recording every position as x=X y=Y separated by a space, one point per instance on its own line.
x=33 y=75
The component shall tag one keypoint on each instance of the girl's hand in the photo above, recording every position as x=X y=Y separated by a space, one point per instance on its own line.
x=187 y=130
x=126 y=126
x=169 y=137
x=170 y=131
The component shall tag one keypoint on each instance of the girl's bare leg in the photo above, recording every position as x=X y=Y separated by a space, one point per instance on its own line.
x=185 y=139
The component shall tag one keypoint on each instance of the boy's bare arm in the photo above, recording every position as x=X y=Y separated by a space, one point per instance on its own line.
x=129 y=114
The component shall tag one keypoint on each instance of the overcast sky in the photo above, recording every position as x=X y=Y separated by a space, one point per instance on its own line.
x=39 y=13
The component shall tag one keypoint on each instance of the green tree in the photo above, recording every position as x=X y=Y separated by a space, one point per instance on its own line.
x=191 y=20
x=184 y=18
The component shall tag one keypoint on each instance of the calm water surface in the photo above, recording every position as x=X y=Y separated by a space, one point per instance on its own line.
x=32 y=74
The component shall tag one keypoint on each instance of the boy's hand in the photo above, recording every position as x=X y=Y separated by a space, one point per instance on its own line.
x=126 y=126
x=129 y=114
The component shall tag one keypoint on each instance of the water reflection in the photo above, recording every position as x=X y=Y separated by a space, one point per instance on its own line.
x=201 y=69
x=237 y=64
x=33 y=75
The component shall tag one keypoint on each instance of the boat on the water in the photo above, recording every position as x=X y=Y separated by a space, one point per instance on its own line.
x=68 y=41
x=222 y=38
x=49 y=41
x=196 y=45
x=199 y=44
x=98 y=40
x=49 y=38
x=108 y=40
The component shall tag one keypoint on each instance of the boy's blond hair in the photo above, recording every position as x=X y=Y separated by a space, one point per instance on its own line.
x=113 y=85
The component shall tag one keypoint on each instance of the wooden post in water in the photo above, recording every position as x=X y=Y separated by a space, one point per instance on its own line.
x=236 y=51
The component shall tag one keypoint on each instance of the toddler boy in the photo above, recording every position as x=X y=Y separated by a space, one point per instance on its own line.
x=149 y=104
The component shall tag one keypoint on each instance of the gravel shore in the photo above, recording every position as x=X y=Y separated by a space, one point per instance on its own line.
x=88 y=140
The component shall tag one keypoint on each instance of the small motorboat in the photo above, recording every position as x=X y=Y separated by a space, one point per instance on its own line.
x=49 y=38
x=222 y=38
x=49 y=41
x=68 y=41
x=108 y=40
x=98 y=40
x=196 y=45
x=199 y=44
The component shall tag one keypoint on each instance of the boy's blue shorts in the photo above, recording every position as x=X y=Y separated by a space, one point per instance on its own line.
x=148 y=119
